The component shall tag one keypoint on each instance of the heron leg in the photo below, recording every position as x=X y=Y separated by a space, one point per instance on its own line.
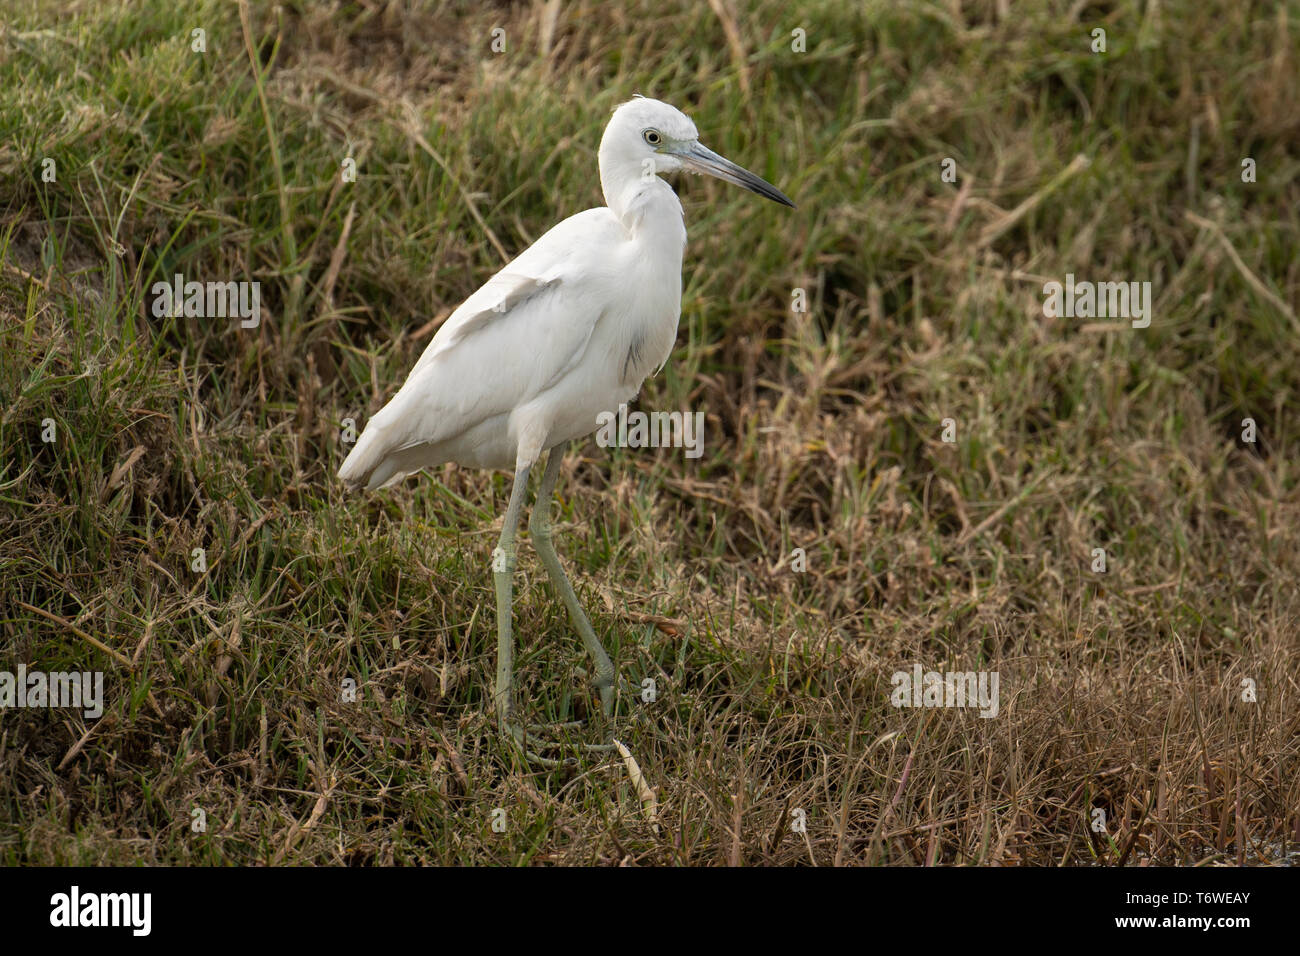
x=540 y=527
x=503 y=567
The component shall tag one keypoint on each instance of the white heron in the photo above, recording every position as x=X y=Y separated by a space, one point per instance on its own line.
x=567 y=331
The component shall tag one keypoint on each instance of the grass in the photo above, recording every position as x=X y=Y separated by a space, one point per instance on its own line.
x=1120 y=691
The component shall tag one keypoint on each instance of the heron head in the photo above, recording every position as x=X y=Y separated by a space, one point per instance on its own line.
x=662 y=139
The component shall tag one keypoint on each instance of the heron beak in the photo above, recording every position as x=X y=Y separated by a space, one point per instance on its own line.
x=699 y=159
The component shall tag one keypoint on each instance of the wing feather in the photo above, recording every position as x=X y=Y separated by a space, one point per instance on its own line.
x=523 y=330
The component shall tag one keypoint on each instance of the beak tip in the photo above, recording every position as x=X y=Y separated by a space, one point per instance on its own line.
x=777 y=196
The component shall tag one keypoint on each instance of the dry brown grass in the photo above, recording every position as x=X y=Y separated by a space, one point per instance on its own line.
x=1119 y=691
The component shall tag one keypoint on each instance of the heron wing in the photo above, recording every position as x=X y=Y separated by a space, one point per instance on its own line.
x=497 y=297
x=527 y=327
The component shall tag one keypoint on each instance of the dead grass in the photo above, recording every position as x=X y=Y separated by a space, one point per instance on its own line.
x=1120 y=691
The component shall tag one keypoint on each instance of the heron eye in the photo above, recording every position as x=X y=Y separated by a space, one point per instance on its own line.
x=652 y=137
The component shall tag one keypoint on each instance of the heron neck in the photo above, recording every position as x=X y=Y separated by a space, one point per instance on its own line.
x=643 y=205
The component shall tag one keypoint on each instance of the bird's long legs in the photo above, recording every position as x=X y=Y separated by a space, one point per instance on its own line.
x=539 y=524
x=503 y=568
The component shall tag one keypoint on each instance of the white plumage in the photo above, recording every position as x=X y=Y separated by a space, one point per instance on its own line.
x=567 y=331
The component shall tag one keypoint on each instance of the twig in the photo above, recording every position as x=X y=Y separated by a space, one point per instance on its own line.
x=994 y=518
x=96 y=642
x=76 y=748
x=1252 y=280
x=727 y=17
x=649 y=803
x=995 y=229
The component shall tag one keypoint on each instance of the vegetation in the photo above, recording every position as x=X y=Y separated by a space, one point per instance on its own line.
x=1120 y=690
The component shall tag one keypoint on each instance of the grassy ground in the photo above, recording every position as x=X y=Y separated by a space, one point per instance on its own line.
x=1120 y=691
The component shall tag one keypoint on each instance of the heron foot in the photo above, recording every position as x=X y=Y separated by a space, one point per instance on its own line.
x=519 y=736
